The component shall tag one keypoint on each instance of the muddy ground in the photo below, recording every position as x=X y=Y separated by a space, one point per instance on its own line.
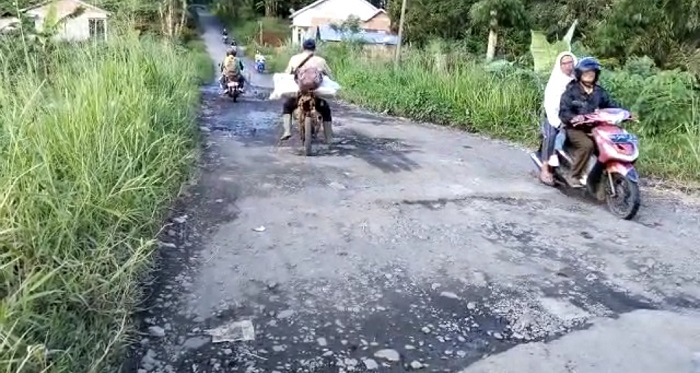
x=407 y=247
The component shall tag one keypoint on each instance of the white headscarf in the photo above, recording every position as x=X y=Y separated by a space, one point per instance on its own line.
x=555 y=88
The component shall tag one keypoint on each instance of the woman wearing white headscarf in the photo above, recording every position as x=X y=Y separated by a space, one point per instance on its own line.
x=562 y=75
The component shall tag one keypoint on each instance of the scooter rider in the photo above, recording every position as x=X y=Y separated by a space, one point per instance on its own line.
x=259 y=57
x=582 y=96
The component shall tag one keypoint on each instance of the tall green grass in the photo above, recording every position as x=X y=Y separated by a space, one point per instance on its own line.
x=90 y=156
x=453 y=89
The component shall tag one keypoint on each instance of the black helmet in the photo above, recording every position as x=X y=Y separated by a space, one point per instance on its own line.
x=309 y=45
x=231 y=52
x=587 y=64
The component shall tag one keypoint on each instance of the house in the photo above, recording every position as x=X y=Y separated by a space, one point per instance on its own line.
x=77 y=20
x=324 y=12
x=8 y=22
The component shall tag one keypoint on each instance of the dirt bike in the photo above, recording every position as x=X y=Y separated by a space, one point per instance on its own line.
x=611 y=173
x=308 y=118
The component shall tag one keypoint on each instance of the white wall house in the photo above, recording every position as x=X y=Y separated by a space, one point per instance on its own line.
x=323 y=12
x=8 y=23
x=91 y=23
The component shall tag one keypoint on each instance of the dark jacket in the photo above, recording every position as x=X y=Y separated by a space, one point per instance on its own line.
x=575 y=101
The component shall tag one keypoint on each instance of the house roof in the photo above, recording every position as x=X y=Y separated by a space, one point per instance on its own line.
x=78 y=2
x=319 y=2
x=327 y=33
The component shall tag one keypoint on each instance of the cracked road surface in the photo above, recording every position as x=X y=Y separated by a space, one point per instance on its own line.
x=407 y=247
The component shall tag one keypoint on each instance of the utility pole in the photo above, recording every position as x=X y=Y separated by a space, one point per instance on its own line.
x=261 y=32
x=397 y=58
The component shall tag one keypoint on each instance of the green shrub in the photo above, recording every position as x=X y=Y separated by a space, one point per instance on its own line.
x=507 y=103
x=89 y=159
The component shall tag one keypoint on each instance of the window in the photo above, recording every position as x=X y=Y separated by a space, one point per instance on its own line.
x=97 y=28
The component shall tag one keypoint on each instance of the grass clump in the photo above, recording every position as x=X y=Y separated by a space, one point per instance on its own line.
x=94 y=144
x=453 y=89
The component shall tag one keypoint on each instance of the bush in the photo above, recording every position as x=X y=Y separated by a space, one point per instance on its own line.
x=89 y=159
x=669 y=107
x=507 y=103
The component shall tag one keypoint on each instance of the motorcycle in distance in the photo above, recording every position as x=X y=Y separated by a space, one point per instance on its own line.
x=225 y=38
x=611 y=173
x=260 y=64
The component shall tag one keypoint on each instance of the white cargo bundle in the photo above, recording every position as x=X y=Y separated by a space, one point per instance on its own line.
x=285 y=87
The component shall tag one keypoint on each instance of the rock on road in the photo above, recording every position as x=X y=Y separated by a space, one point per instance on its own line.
x=407 y=247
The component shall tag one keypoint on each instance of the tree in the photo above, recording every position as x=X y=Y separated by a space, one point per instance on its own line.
x=429 y=19
x=497 y=14
x=668 y=31
x=351 y=25
x=173 y=14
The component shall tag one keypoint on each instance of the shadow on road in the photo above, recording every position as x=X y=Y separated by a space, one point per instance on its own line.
x=390 y=155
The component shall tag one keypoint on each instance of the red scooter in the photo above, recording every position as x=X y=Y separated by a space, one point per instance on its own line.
x=611 y=174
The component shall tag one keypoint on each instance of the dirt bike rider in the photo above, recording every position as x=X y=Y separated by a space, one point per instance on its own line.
x=582 y=96
x=232 y=68
x=224 y=34
x=299 y=62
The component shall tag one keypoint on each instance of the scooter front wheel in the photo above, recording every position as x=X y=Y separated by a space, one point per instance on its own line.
x=624 y=201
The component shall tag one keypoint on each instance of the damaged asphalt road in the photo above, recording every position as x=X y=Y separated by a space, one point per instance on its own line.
x=407 y=247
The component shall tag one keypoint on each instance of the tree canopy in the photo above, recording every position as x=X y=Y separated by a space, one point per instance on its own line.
x=668 y=31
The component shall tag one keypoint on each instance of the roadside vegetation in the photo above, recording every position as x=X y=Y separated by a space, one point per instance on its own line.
x=96 y=140
x=482 y=65
x=507 y=103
